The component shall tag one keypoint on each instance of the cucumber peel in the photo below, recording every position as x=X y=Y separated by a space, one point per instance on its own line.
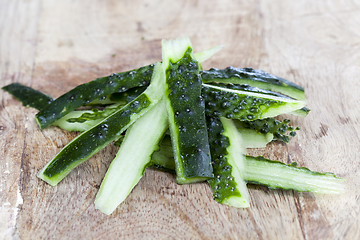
x=28 y=96
x=186 y=111
x=256 y=78
x=222 y=110
x=96 y=89
x=229 y=185
x=93 y=140
x=266 y=172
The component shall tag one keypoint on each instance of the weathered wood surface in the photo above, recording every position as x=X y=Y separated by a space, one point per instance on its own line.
x=55 y=45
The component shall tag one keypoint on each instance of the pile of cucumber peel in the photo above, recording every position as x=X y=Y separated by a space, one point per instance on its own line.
x=176 y=117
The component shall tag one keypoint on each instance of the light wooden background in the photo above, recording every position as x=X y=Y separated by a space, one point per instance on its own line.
x=55 y=45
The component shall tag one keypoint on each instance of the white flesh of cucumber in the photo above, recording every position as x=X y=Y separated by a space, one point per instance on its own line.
x=254 y=139
x=278 y=175
x=205 y=55
x=76 y=126
x=236 y=158
x=125 y=171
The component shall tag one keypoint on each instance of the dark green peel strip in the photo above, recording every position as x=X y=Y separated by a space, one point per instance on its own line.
x=90 y=142
x=255 y=78
x=187 y=120
x=28 y=96
x=96 y=89
x=93 y=140
x=223 y=184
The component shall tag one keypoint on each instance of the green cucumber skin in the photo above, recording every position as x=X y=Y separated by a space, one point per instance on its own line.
x=188 y=115
x=270 y=125
x=93 y=140
x=256 y=170
x=96 y=89
x=138 y=77
x=237 y=106
x=121 y=100
x=28 y=96
x=223 y=184
x=256 y=78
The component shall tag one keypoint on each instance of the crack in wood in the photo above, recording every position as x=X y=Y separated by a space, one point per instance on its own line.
x=299 y=212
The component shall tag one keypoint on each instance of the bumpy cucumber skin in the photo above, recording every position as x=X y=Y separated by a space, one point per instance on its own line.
x=236 y=106
x=223 y=184
x=129 y=95
x=93 y=140
x=96 y=89
x=188 y=114
x=271 y=125
x=28 y=96
x=256 y=78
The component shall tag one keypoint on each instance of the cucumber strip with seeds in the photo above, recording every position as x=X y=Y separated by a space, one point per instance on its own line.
x=243 y=105
x=186 y=111
x=255 y=78
x=125 y=171
x=93 y=140
x=227 y=154
x=96 y=89
x=28 y=96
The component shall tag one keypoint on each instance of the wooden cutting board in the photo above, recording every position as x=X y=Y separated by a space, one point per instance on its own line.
x=53 y=46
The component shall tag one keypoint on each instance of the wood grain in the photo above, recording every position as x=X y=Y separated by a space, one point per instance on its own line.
x=55 y=45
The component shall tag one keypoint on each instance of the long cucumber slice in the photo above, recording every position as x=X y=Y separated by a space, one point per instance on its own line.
x=255 y=78
x=125 y=171
x=186 y=111
x=227 y=153
x=96 y=89
x=278 y=175
x=93 y=140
